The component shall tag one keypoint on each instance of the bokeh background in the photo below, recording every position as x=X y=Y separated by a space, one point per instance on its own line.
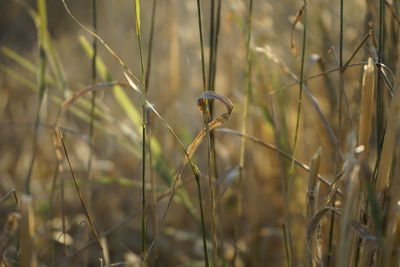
x=113 y=194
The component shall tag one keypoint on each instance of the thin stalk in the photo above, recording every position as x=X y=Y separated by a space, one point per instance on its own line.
x=244 y=121
x=93 y=100
x=212 y=158
x=212 y=41
x=214 y=63
x=150 y=48
x=203 y=224
x=78 y=191
x=92 y=114
x=203 y=68
x=153 y=197
x=41 y=85
x=341 y=34
x=301 y=82
x=144 y=123
x=296 y=133
x=213 y=71
x=286 y=244
x=340 y=130
x=214 y=36
x=379 y=97
x=207 y=120
x=64 y=230
x=53 y=186
x=149 y=150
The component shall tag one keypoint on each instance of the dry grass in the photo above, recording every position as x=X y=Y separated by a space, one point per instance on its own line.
x=181 y=134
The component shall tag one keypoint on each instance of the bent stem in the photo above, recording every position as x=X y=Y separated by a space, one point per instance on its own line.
x=203 y=223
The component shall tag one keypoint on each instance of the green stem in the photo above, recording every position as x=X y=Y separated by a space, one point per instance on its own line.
x=150 y=48
x=203 y=69
x=379 y=98
x=144 y=123
x=296 y=134
x=203 y=223
x=149 y=152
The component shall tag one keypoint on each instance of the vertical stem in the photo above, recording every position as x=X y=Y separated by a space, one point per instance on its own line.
x=64 y=231
x=379 y=97
x=340 y=130
x=212 y=40
x=286 y=244
x=144 y=123
x=217 y=30
x=150 y=154
x=41 y=84
x=78 y=191
x=93 y=100
x=299 y=107
x=207 y=119
x=150 y=48
x=203 y=69
x=244 y=122
x=203 y=225
x=92 y=110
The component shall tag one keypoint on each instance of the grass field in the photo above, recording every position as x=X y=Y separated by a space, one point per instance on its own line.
x=199 y=133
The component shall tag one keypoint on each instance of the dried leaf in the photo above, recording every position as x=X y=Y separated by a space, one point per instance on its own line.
x=297 y=19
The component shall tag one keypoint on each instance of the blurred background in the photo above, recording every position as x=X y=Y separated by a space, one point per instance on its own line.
x=112 y=189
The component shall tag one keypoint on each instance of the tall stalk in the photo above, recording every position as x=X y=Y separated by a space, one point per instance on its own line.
x=41 y=85
x=198 y=182
x=212 y=160
x=93 y=100
x=203 y=68
x=340 y=129
x=203 y=225
x=150 y=47
x=212 y=41
x=92 y=110
x=207 y=120
x=244 y=120
x=144 y=123
x=149 y=152
x=380 y=120
x=296 y=133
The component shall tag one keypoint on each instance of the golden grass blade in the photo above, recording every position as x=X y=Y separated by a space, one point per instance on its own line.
x=351 y=211
x=389 y=141
x=137 y=12
x=312 y=188
x=388 y=249
x=313 y=225
x=27 y=232
x=367 y=107
x=312 y=245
